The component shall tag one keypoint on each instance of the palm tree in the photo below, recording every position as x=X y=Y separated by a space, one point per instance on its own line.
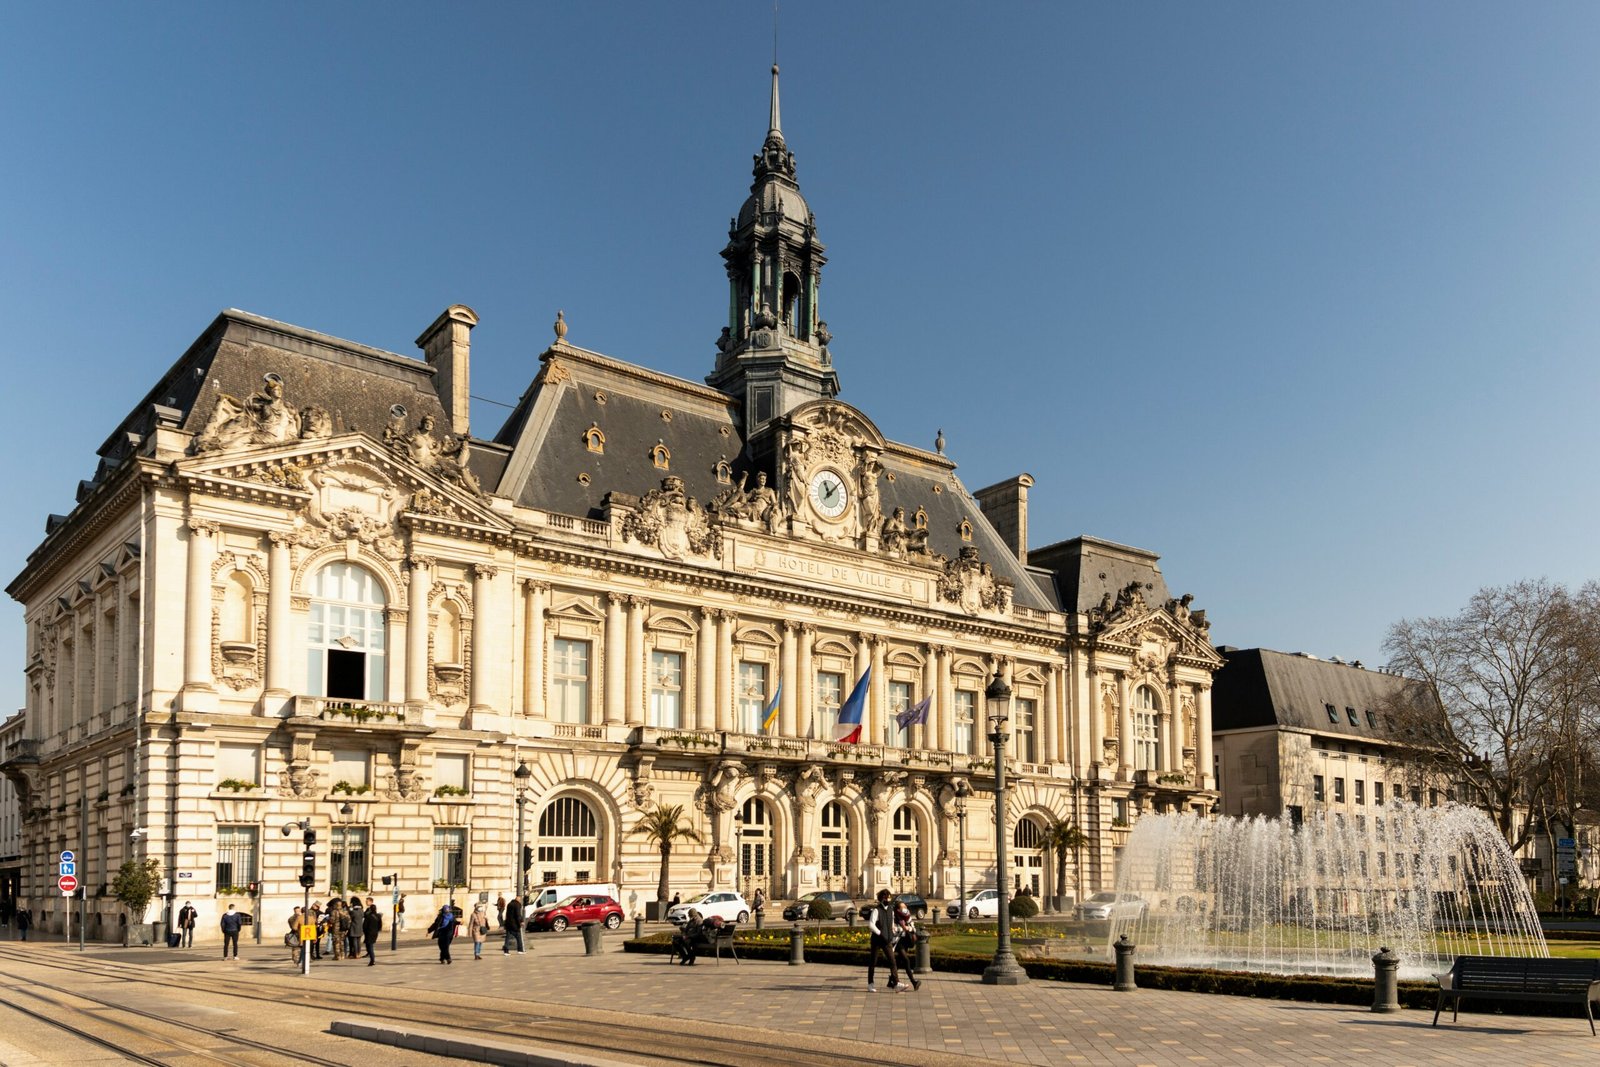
x=665 y=827
x=1062 y=837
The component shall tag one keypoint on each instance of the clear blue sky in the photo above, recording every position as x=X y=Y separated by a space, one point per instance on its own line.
x=1302 y=297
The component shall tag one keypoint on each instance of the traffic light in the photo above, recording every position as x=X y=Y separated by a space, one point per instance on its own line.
x=308 y=867
x=527 y=856
x=310 y=838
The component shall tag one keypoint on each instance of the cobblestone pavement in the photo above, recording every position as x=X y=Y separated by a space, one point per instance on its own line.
x=1039 y=1023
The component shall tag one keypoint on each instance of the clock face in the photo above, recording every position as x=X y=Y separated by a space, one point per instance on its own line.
x=828 y=494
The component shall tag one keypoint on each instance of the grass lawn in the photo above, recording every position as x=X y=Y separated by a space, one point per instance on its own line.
x=1574 y=950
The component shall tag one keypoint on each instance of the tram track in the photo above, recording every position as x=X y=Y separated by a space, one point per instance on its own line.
x=601 y=1032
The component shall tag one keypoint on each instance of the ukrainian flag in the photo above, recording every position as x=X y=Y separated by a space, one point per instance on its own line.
x=769 y=717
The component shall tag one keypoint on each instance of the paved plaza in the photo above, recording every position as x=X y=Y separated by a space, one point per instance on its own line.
x=823 y=1006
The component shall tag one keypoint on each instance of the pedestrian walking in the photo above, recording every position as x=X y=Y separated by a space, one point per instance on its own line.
x=354 y=945
x=443 y=930
x=478 y=930
x=24 y=921
x=880 y=920
x=186 y=918
x=371 y=927
x=500 y=910
x=400 y=914
x=338 y=927
x=513 y=927
x=232 y=923
x=905 y=936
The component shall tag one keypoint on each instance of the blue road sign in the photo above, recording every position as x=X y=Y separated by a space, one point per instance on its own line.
x=68 y=868
x=68 y=856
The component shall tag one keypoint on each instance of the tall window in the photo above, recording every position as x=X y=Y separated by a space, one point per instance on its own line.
x=1318 y=787
x=966 y=722
x=830 y=694
x=453 y=770
x=1144 y=729
x=752 y=695
x=347 y=858
x=235 y=763
x=835 y=870
x=346 y=635
x=906 y=853
x=666 y=689
x=1022 y=715
x=569 y=680
x=755 y=848
x=236 y=857
x=899 y=700
x=449 y=856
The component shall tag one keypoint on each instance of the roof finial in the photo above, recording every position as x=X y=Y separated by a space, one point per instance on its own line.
x=774 y=124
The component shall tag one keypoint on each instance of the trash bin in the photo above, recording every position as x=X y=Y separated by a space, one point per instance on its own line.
x=173 y=940
x=591 y=938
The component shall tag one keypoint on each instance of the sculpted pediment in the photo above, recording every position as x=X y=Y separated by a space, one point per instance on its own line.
x=1156 y=637
x=348 y=483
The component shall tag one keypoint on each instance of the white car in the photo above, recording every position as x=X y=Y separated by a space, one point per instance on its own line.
x=1103 y=906
x=725 y=905
x=984 y=904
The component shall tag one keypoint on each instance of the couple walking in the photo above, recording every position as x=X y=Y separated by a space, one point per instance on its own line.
x=892 y=935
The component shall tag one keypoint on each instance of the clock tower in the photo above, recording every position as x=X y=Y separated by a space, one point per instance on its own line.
x=773 y=353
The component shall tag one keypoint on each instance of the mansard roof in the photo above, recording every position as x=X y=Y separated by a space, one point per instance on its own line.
x=1088 y=569
x=1260 y=687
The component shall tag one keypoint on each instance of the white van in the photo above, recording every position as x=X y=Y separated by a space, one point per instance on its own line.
x=552 y=892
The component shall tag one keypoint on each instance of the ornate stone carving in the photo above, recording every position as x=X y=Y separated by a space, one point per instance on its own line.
x=674 y=523
x=426 y=502
x=444 y=456
x=871 y=505
x=1130 y=603
x=315 y=423
x=282 y=475
x=205 y=526
x=262 y=418
x=724 y=783
x=971 y=583
x=759 y=505
x=338 y=511
x=900 y=538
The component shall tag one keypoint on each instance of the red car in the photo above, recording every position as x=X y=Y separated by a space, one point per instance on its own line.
x=574 y=911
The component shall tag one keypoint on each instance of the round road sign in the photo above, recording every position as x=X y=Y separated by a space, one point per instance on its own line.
x=67 y=883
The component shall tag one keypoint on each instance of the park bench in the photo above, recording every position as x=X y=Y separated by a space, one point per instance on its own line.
x=714 y=941
x=1519 y=978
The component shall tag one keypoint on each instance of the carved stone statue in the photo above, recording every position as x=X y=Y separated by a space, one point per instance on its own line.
x=795 y=451
x=762 y=504
x=445 y=456
x=871 y=506
x=674 y=523
x=261 y=419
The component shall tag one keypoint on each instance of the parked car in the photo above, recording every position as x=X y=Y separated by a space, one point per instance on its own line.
x=984 y=904
x=914 y=901
x=575 y=911
x=553 y=892
x=843 y=906
x=724 y=904
x=1104 y=906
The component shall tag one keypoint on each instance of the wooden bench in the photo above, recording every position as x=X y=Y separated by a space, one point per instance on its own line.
x=1519 y=978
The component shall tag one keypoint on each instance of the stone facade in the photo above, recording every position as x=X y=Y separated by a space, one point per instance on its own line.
x=299 y=589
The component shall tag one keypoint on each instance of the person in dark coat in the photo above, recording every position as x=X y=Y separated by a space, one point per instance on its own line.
x=24 y=921
x=443 y=930
x=232 y=923
x=356 y=928
x=513 y=921
x=186 y=918
x=371 y=927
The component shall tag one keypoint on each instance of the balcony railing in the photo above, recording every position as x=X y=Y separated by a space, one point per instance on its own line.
x=357 y=712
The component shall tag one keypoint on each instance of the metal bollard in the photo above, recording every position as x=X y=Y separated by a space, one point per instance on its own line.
x=924 y=957
x=1124 y=981
x=850 y=918
x=797 y=945
x=638 y=927
x=1385 y=981
x=592 y=933
x=760 y=914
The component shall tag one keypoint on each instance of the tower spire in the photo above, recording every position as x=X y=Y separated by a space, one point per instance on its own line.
x=775 y=123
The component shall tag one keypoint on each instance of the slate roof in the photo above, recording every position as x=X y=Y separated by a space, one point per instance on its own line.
x=1087 y=568
x=1259 y=687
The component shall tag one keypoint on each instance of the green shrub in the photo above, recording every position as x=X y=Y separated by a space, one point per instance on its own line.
x=1024 y=907
x=819 y=909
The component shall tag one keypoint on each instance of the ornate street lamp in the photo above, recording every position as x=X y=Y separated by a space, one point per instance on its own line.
x=1004 y=969
x=961 y=822
x=521 y=774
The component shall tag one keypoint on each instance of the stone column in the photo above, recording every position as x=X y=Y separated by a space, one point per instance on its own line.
x=1171 y=754
x=878 y=694
x=616 y=658
x=280 y=630
x=863 y=661
x=787 y=669
x=1202 y=740
x=705 y=704
x=1097 y=719
x=197 y=615
x=482 y=657
x=1124 y=727
x=806 y=688
x=726 y=670
x=930 y=692
x=534 y=601
x=417 y=629
x=1047 y=719
x=1179 y=738
x=633 y=714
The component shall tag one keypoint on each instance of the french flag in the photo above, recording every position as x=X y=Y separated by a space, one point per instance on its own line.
x=849 y=728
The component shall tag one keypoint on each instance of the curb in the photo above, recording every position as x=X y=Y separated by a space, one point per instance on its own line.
x=442 y=1043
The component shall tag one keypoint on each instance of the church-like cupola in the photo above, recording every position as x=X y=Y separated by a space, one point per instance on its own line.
x=773 y=354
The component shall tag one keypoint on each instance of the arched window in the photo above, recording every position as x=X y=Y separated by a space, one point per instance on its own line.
x=1027 y=842
x=755 y=847
x=791 y=303
x=569 y=841
x=594 y=438
x=1145 y=710
x=835 y=872
x=906 y=851
x=346 y=636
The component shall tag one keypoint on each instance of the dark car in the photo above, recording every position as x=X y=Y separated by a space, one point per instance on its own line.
x=843 y=906
x=916 y=902
x=575 y=911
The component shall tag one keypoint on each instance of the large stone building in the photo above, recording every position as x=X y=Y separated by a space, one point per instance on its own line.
x=298 y=588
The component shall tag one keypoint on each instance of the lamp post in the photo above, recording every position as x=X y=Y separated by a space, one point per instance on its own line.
x=1004 y=969
x=521 y=774
x=393 y=882
x=738 y=851
x=961 y=823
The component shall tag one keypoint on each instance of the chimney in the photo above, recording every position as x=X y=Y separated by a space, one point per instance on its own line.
x=1005 y=504
x=447 y=345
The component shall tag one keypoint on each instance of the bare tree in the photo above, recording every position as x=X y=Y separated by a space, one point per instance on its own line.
x=1496 y=690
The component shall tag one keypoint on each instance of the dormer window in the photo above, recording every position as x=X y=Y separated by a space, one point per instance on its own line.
x=661 y=456
x=966 y=530
x=920 y=520
x=724 y=472
x=594 y=438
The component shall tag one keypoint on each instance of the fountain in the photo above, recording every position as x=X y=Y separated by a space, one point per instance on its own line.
x=1320 y=898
